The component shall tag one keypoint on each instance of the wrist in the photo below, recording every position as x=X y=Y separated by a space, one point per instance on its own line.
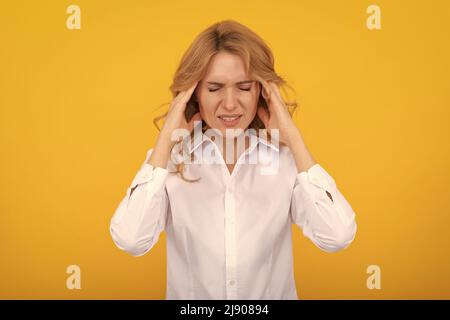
x=292 y=137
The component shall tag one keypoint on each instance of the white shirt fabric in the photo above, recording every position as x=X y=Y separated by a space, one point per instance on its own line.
x=229 y=235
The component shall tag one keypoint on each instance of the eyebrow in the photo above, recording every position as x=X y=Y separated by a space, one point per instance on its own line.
x=221 y=84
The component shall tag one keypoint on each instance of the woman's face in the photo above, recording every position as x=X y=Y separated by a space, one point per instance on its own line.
x=227 y=97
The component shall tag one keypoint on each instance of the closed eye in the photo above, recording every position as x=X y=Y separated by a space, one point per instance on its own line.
x=243 y=89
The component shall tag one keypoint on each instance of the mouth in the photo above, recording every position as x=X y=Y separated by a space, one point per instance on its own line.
x=230 y=120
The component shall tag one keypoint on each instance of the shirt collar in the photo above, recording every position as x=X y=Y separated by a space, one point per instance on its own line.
x=200 y=138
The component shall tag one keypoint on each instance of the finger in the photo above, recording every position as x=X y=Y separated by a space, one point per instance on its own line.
x=188 y=93
x=276 y=91
x=264 y=87
x=277 y=97
x=266 y=92
x=180 y=95
x=270 y=97
x=183 y=96
x=191 y=123
x=177 y=98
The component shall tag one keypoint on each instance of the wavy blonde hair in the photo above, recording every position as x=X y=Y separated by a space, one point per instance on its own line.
x=232 y=37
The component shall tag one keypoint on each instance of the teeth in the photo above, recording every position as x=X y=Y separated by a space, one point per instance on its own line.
x=229 y=118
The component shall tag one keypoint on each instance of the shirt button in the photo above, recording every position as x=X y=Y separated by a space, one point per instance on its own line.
x=232 y=282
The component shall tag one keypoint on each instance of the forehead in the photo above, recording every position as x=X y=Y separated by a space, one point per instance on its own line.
x=225 y=67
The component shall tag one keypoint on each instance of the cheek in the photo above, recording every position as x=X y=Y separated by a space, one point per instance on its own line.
x=207 y=109
x=251 y=112
x=254 y=105
x=250 y=101
x=246 y=99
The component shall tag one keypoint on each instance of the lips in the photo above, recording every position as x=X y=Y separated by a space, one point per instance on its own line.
x=230 y=120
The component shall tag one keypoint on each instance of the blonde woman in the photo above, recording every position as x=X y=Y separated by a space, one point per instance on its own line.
x=227 y=220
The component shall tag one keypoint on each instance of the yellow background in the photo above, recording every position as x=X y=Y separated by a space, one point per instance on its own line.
x=76 y=122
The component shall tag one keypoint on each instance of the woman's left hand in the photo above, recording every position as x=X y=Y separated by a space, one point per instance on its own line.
x=278 y=116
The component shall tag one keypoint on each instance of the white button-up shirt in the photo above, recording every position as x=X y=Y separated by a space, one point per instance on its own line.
x=229 y=235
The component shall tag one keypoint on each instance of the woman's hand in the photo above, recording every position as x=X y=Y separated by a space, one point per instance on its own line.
x=278 y=116
x=175 y=119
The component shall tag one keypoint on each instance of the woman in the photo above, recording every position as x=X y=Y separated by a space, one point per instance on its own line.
x=228 y=221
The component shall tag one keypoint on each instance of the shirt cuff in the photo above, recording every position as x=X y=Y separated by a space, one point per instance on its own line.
x=156 y=175
x=317 y=176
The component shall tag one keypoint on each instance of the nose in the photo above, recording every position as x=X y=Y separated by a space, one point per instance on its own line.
x=230 y=99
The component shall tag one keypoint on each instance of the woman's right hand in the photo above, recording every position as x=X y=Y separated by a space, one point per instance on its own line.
x=175 y=119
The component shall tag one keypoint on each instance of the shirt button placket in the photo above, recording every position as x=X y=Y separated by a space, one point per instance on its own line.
x=230 y=242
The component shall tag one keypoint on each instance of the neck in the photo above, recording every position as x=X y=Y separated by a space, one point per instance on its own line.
x=233 y=148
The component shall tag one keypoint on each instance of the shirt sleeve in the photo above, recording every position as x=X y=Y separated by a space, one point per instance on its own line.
x=328 y=222
x=141 y=215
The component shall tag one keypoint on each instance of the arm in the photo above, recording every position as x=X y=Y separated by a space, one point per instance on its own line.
x=141 y=215
x=317 y=206
x=320 y=209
